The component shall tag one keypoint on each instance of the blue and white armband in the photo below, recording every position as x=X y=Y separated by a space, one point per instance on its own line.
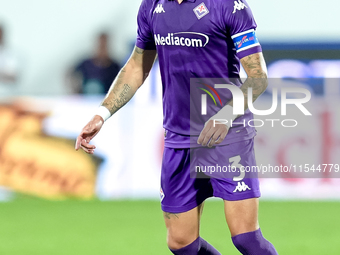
x=245 y=40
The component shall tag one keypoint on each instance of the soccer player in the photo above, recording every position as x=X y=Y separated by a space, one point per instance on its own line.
x=194 y=40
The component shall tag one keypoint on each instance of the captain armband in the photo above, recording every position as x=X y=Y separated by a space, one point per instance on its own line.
x=245 y=40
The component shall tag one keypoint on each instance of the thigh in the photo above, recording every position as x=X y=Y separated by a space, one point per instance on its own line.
x=182 y=197
x=182 y=228
x=242 y=215
x=233 y=181
x=181 y=192
x=230 y=168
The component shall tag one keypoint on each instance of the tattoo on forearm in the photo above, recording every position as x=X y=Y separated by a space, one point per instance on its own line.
x=257 y=80
x=119 y=100
x=125 y=91
x=258 y=86
x=127 y=82
x=170 y=215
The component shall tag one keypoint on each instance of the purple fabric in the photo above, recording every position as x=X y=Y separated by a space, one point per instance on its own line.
x=207 y=248
x=197 y=247
x=183 y=189
x=253 y=243
x=250 y=51
x=191 y=46
x=173 y=140
x=191 y=249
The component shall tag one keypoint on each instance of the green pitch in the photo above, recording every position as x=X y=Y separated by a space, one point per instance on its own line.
x=32 y=226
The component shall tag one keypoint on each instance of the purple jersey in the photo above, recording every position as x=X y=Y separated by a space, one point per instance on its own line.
x=197 y=40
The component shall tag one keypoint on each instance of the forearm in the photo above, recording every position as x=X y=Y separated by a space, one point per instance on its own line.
x=129 y=79
x=124 y=87
x=258 y=86
x=257 y=80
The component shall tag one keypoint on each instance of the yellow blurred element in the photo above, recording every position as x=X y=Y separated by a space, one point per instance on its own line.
x=36 y=164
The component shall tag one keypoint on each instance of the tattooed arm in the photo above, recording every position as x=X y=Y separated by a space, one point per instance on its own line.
x=127 y=82
x=255 y=67
x=129 y=79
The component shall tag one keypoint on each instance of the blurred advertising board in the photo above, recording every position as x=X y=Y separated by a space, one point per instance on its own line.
x=35 y=163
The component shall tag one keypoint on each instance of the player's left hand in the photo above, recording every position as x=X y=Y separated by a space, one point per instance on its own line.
x=212 y=135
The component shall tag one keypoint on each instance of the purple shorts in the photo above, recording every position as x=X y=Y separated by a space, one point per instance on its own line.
x=189 y=176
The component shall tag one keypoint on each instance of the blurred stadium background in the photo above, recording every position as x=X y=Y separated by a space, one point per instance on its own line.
x=58 y=201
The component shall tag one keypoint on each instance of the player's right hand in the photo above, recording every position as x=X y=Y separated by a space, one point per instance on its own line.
x=89 y=131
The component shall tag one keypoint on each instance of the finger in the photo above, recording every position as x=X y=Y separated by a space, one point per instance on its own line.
x=202 y=135
x=204 y=132
x=85 y=144
x=86 y=148
x=89 y=151
x=222 y=137
x=78 y=142
x=88 y=139
x=214 y=138
x=208 y=136
x=84 y=133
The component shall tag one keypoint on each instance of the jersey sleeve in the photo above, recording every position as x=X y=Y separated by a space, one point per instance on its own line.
x=145 y=39
x=241 y=27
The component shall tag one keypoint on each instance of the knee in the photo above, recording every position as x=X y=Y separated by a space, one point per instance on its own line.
x=253 y=242
x=178 y=241
x=242 y=243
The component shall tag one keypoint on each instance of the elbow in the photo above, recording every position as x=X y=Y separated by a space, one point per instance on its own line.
x=140 y=77
x=135 y=73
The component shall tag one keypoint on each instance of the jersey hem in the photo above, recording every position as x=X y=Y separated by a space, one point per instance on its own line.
x=175 y=145
x=184 y=208
x=145 y=46
x=237 y=197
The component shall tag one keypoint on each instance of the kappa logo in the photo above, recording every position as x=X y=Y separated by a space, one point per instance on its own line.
x=239 y=6
x=201 y=11
x=241 y=186
x=159 y=9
